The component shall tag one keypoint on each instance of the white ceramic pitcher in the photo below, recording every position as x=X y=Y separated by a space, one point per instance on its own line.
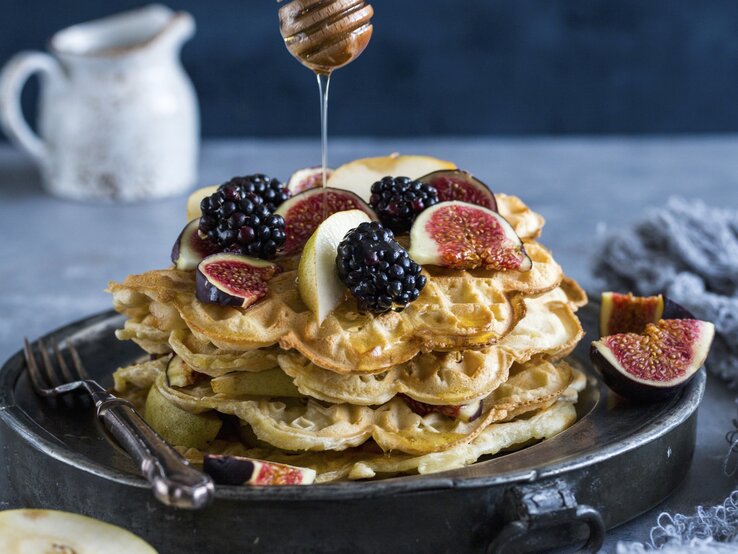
x=118 y=117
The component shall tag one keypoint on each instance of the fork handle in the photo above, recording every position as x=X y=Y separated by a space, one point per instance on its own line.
x=174 y=481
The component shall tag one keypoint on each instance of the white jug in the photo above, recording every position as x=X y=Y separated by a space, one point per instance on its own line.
x=118 y=117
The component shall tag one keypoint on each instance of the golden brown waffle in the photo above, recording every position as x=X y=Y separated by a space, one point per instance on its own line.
x=456 y=310
x=296 y=424
x=368 y=462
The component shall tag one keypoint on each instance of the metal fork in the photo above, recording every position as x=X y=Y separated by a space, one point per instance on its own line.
x=173 y=481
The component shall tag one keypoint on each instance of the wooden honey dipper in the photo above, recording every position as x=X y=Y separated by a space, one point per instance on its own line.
x=326 y=34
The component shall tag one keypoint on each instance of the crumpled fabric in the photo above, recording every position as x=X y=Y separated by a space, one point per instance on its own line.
x=688 y=251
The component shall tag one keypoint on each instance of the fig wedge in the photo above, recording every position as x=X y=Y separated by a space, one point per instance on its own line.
x=233 y=279
x=464 y=236
x=237 y=470
x=190 y=248
x=460 y=185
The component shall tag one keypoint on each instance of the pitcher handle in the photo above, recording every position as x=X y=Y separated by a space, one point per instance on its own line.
x=13 y=78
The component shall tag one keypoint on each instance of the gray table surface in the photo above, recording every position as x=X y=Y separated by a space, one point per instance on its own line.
x=58 y=256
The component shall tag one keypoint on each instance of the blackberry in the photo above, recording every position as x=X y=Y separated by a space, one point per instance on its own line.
x=272 y=191
x=398 y=201
x=239 y=221
x=377 y=270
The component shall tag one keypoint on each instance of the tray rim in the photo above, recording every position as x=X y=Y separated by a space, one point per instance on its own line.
x=675 y=412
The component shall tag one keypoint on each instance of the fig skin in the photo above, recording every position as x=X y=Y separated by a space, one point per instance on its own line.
x=641 y=389
x=236 y=470
x=211 y=290
x=190 y=248
x=457 y=184
x=308 y=178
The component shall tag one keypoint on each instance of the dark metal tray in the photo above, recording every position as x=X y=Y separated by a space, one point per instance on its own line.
x=617 y=461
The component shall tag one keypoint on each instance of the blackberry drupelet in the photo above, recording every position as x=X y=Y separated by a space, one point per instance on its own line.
x=272 y=191
x=398 y=201
x=377 y=270
x=241 y=222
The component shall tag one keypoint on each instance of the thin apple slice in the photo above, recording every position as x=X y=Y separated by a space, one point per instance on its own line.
x=52 y=531
x=359 y=175
x=269 y=383
x=464 y=236
x=317 y=276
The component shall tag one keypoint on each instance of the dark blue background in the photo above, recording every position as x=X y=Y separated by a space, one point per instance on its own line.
x=453 y=66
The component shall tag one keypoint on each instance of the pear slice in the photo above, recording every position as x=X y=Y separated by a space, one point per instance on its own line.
x=193 y=202
x=177 y=426
x=270 y=383
x=317 y=276
x=29 y=531
x=359 y=175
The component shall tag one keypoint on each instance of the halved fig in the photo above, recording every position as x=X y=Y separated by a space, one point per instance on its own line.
x=237 y=470
x=460 y=185
x=190 y=248
x=464 y=412
x=306 y=211
x=653 y=364
x=464 y=236
x=233 y=279
x=626 y=313
x=307 y=178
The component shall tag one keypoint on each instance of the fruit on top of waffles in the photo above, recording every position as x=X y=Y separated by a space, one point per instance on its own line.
x=233 y=279
x=307 y=178
x=398 y=201
x=359 y=175
x=626 y=313
x=317 y=278
x=194 y=200
x=178 y=426
x=304 y=212
x=190 y=248
x=466 y=412
x=272 y=191
x=54 y=532
x=241 y=222
x=456 y=184
x=464 y=236
x=237 y=470
x=377 y=270
x=653 y=364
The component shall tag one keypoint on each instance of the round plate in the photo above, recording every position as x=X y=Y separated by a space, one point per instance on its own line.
x=56 y=455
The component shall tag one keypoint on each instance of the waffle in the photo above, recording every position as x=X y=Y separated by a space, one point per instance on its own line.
x=476 y=338
x=367 y=463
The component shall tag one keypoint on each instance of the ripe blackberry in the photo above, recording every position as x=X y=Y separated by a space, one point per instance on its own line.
x=377 y=270
x=272 y=191
x=398 y=201
x=241 y=222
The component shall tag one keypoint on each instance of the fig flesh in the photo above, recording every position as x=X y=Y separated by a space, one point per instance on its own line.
x=233 y=279
x=237 y=470
x=190 y=248
x=460 y=185
x=655 y=363
x=464 y=412
x=306 y=211
x=626 y=313
x=464 y=236
x=307 y=178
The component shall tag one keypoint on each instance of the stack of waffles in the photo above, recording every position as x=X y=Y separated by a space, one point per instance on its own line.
x=472 y=368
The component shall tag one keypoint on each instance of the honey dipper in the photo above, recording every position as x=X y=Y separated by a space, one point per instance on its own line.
x=326 y=34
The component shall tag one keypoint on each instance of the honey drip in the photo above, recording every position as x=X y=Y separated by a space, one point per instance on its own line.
x=325 y=35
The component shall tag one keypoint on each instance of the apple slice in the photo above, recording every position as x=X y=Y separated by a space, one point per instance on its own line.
x=54 y=531
x=464 y=236
x=359 y=176
x=270 y=383
x=193 y=202
x=317 y=276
